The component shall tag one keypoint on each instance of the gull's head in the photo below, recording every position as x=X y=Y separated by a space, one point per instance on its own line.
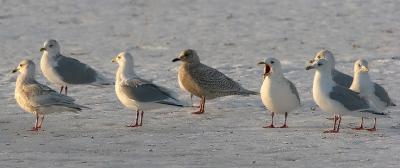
x=324 y=54
x=187 y=56
x=271 y=66
x=25 y=66
x=50 y=46
x=361 y=66
x=321 y=65
x=122 y=58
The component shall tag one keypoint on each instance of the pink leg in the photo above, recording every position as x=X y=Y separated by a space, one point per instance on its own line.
x=36 y=128
x=272 y=122
x=361 y=125
x=137 y=120
x=334 y=126
x=141 y=119
x=338 y=126
x=202 y=106
x=41 y=121
x=284 y=125
x=373 y=128
x=62 y=88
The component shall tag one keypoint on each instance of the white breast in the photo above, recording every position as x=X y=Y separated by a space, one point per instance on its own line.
x=47 y=65
x=277 y=96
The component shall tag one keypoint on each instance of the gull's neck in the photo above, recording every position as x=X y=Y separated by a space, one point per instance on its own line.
x=50 y=56
x=361 y=83
x=25 y=78
x=277 y=75
x=322 y=81
x=125 y=72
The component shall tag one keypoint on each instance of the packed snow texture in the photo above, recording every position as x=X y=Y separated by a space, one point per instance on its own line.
x=229 y=35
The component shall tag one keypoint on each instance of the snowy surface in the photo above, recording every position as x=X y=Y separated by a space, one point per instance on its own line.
x=231 y=36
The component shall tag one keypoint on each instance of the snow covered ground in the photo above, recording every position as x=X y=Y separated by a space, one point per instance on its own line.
x=231 y=36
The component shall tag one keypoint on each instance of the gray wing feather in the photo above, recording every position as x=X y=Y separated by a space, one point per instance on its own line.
x=73 y=71
x=342 y=79
x=143 y=91
x=381 y=93
x=41 y=95
x=294 y=90
x=348 y=98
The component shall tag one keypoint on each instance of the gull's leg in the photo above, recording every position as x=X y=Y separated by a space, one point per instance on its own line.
x=361 y=125
x=41 y=121
x=338 y=126
x=62 y=88
x=334 y=126
x=202 y=106
x=66 y=90
x=137 y=120
x=35 y=128
x=272 y=122
x=191 y=99
x=284 y=125
x=373 y=128
x=141 y=118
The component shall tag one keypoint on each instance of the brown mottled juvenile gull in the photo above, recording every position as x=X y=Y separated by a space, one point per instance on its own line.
x=205 y=82
x=138 y=94
x=39 y=99
x=64 y=71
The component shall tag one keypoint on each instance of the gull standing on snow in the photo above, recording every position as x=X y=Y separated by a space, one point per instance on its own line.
x=39 y=99
x=205 y=82
x=362 y=84
x=339 y=77
x=337 y=99
x=278 y=94
x=138 y=94
x=65 y=71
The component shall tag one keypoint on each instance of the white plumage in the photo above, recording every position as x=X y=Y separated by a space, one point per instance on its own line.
x=37 y=98
x=278 y=94
x=138 y=94
x=337 y=99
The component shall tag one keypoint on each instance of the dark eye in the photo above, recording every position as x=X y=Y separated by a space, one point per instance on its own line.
x=272 y=62
x=359 y=65
x=20 y=65
x=319 y=64
x=51 y=45
x=319 y=57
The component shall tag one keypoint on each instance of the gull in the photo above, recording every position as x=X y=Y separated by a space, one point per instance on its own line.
x=339 y=77
x=37 y=98
x=336 y=99
x=205 y=82
x=138 y=94
x=64 y=71
x=362 y=84
x=278 y=94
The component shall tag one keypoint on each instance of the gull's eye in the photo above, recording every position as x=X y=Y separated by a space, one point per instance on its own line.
x=119 y=57
x=20 y=65
x=319 y=57
x=319 y=64
x=359 y=65
x=272 y=62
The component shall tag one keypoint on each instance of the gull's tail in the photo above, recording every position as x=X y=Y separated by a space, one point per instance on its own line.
x=375 y=113
x=245 y=92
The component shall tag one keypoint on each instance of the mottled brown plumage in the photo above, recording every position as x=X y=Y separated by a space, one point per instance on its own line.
x=205 y=82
